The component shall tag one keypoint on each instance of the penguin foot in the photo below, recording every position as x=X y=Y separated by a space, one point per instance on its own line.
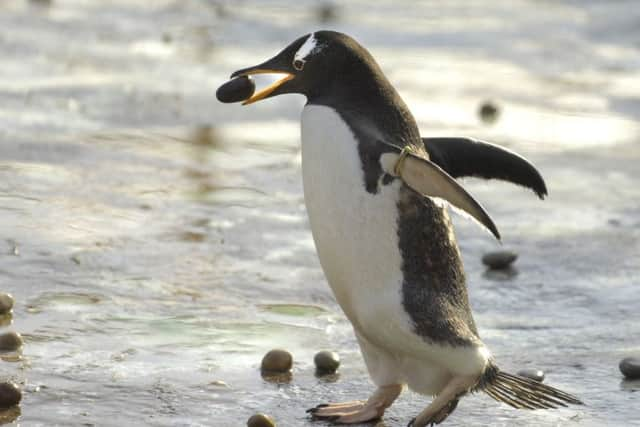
x=439 y=417
x=445 y=403
x=332 y=409
x=357 y=411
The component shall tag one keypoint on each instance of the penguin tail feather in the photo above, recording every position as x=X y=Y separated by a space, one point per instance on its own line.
x=523 y=393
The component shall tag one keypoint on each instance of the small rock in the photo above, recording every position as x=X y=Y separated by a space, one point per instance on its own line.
x=236 y=90
x=630 y=368
x=219 y=383
x=10 y=341
x=499 y=260
x=327 y=362
x=260 y=420
x=277 y=360
x=10 y=394
x=488 y=112
x=6 y=303
x=327 y=12
x=614 y=222
x=534 y=374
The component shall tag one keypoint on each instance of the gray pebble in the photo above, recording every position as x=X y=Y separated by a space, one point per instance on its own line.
x=327 y=12
x=260 y=420
x=236 y=90
x=630 y=368
x=10 y=341
x=6 y=303
x=327 y=362
x=534 y=374
x=10 y=394
x=488 y=112
x=277 y=360
x=499 y=260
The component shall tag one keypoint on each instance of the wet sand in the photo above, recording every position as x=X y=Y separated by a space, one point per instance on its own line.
x=156 y=241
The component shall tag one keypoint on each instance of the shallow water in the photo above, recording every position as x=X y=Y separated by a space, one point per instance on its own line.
x=156 y=241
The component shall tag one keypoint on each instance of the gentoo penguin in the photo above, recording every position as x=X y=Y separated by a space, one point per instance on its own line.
x=376 y=196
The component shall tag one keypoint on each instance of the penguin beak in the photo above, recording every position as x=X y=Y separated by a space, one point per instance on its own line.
x=272 y=66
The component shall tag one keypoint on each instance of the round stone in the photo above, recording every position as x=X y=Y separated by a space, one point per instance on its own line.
x=10 y=394
x=534 y=374
x=327 y=362
x=260 y=420
x=10 y=341
x=499 y=260
x=630 y=368
x=6 y=303
x=327 y=12
x=236 y=90
x=277 y=360
x=488 y=112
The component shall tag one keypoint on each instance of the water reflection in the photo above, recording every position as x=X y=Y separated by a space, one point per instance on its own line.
x=501 y=275
x=277 y=378
x=10 y=415
x=630 y=385
x=205 y=135
x=6 y=320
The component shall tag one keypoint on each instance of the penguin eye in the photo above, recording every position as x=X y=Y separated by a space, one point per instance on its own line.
x=298 y=64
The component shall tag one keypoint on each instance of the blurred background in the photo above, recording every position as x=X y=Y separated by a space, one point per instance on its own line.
x=156 y=241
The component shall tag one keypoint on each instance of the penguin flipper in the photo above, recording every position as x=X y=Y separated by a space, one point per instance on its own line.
x=462 y=157
x=428 y=179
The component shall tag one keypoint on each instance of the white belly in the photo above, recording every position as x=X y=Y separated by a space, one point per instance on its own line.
x=355 y=233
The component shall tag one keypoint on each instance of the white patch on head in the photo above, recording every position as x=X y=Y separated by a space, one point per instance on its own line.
x=308 y=48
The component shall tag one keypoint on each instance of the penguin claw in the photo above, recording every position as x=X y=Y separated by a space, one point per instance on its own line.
x=329 y=418
x=316 y=408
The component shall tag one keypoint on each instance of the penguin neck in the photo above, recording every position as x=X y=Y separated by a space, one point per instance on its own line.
x=356 y=84
x=364 y=94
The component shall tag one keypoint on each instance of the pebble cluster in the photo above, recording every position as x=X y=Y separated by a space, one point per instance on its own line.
x=277 y=363
x=327 y=362
x=10 y=393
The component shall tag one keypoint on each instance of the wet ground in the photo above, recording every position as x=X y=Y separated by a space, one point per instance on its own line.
x=156 y=241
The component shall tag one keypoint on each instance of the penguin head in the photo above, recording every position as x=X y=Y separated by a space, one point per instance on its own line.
x=311 y=65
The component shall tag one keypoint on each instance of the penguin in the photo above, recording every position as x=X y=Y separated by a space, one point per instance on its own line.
x=376 y=194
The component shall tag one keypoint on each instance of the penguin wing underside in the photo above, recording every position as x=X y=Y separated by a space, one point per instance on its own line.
x=428 y=179
x=461 y=157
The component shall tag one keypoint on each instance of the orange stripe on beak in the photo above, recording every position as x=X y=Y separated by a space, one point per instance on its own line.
x=266 y=91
